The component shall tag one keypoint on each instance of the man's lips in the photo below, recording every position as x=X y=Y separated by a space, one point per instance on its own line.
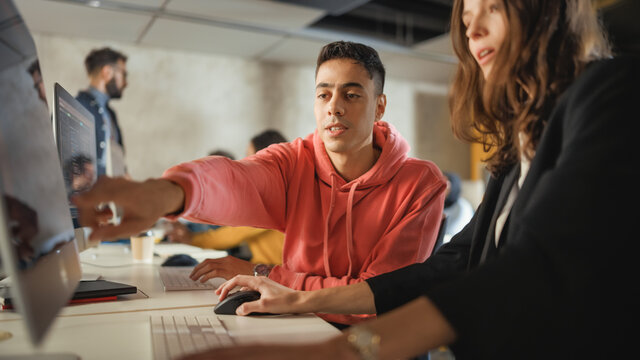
x=336 y=129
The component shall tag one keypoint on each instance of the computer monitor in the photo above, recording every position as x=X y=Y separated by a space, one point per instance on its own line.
x=36 y=233
x=75 y=135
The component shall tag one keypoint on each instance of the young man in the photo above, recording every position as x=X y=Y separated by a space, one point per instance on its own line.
x=107 y=71
x=351 y=203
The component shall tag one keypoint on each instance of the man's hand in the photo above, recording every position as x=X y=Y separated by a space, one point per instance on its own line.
x=179 y=232
x=274 y=298
x=142 y=204
x=226 y=267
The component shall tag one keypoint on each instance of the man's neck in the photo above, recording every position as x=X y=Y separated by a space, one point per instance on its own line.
x=353 y=165
x=98 y=85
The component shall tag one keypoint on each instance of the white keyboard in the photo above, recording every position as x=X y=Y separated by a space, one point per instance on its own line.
x=177 y=278
x=176 y=336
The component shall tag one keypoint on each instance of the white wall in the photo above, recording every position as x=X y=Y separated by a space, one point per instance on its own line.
x=180 y=105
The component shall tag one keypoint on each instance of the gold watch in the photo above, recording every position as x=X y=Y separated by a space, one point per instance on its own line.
x=364 y=341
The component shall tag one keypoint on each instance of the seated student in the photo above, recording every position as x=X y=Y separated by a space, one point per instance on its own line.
x=557 y=279
x=350 y=201
x=259 y=246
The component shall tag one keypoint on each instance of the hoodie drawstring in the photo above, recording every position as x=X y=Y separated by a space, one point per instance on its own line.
x=352 y=192
x=327 y=267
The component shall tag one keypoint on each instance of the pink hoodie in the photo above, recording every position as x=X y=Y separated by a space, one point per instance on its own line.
x=336 y=233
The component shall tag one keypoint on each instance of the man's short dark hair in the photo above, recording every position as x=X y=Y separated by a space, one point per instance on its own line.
x=266 y=138
x=98 y=58
x=35 y=66
x=360 y=53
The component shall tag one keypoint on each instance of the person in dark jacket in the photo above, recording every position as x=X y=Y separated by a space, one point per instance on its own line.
x=107 y=71
x=546 y=268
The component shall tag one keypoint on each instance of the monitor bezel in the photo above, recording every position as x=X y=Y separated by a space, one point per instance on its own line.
x=59 y=92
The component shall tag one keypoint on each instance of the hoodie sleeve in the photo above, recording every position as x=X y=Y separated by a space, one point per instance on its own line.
x=248 y=192
x=409 y=240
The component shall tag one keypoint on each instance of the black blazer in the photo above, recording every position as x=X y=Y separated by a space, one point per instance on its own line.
x=563 y=282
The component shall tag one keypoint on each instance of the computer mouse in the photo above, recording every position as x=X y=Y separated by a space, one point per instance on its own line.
x=229 y=305
x=180 y=260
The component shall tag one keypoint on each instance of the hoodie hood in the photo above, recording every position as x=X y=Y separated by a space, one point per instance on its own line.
x=393 y=154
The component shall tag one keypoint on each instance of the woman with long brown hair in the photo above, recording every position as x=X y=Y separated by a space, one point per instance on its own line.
x=544 y=269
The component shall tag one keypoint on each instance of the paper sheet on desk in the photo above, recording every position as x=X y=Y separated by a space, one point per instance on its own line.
x=166 y=250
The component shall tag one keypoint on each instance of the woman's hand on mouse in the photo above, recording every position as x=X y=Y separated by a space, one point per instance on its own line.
x=274 y=297
x=226 y=267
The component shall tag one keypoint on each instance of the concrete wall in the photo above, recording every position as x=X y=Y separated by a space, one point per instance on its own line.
x=180 y=105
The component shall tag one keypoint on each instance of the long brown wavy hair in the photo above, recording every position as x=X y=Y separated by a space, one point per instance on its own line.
x=548 y=44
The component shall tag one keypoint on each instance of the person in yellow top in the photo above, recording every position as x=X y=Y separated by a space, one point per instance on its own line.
x=260 y=246
x=264 y=245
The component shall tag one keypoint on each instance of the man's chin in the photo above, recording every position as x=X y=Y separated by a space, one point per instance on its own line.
x=333 y=145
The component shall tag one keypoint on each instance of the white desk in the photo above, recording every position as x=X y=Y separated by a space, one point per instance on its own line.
x=120 y=329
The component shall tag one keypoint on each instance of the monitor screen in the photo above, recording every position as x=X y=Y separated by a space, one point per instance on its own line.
x=76 y=139
x=36 y=233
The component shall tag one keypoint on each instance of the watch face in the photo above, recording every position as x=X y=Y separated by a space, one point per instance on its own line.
x=262 y=270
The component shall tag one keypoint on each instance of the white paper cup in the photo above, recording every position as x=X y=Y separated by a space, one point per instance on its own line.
x=142 y=248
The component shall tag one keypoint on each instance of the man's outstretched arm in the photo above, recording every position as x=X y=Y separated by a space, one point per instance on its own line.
x=142 y=203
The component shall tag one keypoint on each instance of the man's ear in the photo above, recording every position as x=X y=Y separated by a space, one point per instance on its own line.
x=106 y=73
x=381 y=105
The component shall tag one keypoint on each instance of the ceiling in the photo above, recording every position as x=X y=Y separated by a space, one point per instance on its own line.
x=411 y=35
x=287 y=31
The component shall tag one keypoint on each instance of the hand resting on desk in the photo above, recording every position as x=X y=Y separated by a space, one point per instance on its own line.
x=226 y=267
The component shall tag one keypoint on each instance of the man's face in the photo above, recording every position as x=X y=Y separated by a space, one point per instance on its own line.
x=346 y=106
x=118 y=80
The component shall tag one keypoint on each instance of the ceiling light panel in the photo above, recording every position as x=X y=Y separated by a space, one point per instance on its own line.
x=209 y=39
x=70 y=19
x=259 y=13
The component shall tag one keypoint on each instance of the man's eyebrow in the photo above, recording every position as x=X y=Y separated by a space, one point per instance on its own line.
x=352 y=84
x=343 y=86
